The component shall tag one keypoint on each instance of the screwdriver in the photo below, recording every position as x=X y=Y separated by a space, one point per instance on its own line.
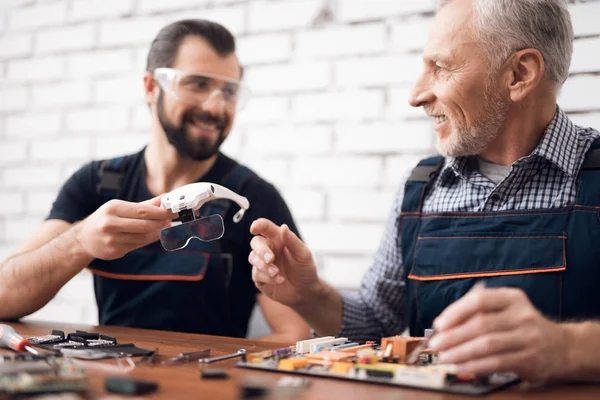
x=12 y=340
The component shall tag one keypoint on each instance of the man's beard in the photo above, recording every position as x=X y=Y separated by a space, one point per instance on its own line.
x=468 y=140
x=197 y=149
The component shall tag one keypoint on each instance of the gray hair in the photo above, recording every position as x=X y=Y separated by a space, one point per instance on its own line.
x=503 y=27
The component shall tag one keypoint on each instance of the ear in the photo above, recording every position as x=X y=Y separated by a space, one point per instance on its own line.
x=151 y=88
x=526 y=71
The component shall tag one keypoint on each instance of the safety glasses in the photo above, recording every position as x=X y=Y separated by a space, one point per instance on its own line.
x=196 y=89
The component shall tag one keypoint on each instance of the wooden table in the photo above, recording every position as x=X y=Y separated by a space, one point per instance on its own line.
x=183 y=381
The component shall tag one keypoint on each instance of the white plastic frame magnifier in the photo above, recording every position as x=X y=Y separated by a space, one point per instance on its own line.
x=185 y=201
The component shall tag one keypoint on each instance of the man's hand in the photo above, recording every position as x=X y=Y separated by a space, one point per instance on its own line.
x=282 y=266
x=119 y=227
x=499 y=330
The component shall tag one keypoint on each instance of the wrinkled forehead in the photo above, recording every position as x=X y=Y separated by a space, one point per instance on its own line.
x=196 y=56
x=451 y=31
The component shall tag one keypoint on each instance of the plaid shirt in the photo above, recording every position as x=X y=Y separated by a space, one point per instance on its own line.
x=547 y=178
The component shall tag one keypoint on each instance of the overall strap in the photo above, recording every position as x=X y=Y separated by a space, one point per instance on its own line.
x=110 y=177
x=588 y=193
x=420 y=182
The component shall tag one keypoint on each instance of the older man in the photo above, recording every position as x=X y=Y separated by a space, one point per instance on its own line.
x=514 y=202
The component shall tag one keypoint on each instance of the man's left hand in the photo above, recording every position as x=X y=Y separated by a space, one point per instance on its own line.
x=498 y=330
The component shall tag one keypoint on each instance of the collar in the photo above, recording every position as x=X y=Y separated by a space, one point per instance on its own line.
x=558 y=145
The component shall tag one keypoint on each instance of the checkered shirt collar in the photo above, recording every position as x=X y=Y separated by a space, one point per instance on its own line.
x=558 y=145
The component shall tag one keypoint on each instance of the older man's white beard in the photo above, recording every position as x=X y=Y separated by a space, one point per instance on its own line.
x=471 y=140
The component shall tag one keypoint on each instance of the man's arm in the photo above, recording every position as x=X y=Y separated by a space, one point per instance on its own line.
x=43 y=264
x=285 y=324
x=58 y=251
x=377 y=309
x=284 y=270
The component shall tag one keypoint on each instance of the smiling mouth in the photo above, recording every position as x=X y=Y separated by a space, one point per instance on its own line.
x=203 y=124
x=440 y=118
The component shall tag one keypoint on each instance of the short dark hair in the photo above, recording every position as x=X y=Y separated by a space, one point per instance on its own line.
x=166 y=44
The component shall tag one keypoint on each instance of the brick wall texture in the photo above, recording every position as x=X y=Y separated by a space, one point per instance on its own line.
x=329 y=123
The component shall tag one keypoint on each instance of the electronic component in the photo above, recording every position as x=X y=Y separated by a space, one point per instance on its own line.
x=294 y=382
x=253 y=389
x=213 y=373
x=378 y=364
x=129 y=386
x=56 y=336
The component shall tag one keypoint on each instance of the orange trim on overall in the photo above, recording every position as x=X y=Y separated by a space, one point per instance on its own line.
x=486 y=274
x=487 y=237
x=130 y=277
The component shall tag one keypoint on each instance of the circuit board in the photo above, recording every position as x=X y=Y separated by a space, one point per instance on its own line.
x=385 y=364
x=427 y=378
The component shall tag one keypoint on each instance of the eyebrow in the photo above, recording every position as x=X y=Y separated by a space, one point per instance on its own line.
x=433 y=57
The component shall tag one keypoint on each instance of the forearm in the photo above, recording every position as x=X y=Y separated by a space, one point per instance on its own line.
x=322 y=309
x=29 y=280
x=582 y=343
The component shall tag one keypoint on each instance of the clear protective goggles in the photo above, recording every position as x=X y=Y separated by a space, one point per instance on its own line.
x=196 y=89
x=186 y=200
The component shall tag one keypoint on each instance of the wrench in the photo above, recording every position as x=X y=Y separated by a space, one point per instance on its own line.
x=239 y=353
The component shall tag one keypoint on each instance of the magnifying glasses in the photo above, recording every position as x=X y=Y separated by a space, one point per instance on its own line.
x=185 y=201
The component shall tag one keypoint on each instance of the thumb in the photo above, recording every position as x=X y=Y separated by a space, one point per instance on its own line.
x=296 y=247
x=264 y=227
x=155 y=201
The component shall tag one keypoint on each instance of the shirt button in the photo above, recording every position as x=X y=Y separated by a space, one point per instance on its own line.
x=496 y=198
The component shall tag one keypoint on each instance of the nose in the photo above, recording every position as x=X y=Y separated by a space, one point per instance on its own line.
x=421 y=92
x=214 y=104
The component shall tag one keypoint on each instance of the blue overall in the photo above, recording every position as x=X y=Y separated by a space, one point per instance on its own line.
x=183 y=291
x=553 y=255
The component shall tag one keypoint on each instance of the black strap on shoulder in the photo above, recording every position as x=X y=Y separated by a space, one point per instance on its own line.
x=422 y=173
x=592 y=159
x=425 y=173
x=110 y=177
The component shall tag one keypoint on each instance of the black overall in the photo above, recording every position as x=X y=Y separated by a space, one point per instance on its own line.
x=553 y=255
x=185 y=290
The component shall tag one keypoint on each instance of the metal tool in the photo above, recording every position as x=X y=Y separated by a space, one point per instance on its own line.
x=239 y=353
x=414 y=355
x=12 y=340
x=187 y=357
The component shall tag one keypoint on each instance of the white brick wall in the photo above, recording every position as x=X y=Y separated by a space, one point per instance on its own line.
x=329 y=123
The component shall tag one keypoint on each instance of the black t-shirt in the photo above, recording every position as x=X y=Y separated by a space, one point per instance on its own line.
x=171 y=304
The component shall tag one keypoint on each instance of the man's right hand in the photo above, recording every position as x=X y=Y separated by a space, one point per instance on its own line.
x=118 y=227
x=282 y=265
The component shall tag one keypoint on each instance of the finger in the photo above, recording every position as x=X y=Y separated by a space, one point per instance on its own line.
x=266 y=228
x=263 y=248
x=138 y=239
x=155 y=201
x=479 y=325
x=142 y=210
x=296 y=247
x=475 y=301
x=505 y=362
x=260 y=278
x=263 y=267
x=132 y=225
x=483 y=347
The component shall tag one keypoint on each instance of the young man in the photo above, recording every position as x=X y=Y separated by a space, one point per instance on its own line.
x=514 y=202
x=107 y=215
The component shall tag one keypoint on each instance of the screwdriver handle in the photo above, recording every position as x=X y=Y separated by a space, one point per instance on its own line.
x=11 y=339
